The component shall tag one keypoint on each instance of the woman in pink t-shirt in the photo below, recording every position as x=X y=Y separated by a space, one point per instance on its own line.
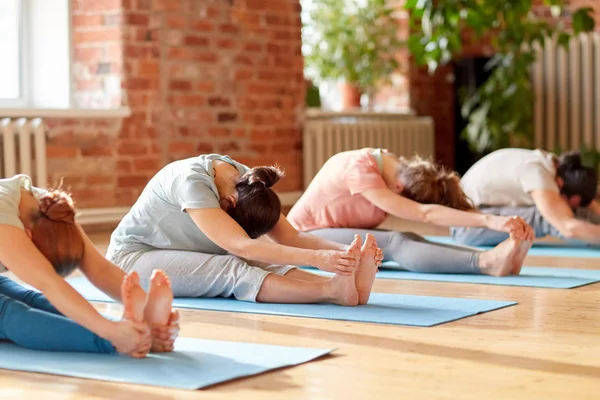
x=359 y=189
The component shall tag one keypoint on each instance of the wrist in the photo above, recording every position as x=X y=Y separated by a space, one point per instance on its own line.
x=487 y=220
x=105 y=328
x=314 y=258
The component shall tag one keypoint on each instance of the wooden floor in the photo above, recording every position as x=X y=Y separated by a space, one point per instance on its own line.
x=547 y=347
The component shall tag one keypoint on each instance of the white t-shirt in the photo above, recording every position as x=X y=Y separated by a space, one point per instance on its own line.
x=507 y=177
x=10 y=197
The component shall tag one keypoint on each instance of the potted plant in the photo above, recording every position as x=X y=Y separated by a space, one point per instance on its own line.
x=500 y=111
x=352 y=41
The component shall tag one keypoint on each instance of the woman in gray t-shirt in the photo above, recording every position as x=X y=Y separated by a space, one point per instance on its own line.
x=215 y=227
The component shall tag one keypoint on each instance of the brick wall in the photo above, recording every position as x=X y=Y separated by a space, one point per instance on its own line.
x=199 y=77
x=97 y=54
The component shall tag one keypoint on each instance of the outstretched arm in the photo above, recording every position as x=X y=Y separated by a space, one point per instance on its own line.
x=284 y=233
x=559 y=214
x=404 y=208
x=99 y=271
x=22 y=258
x=221 y=229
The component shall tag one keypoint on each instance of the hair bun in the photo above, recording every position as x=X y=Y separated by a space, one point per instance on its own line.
x=266 y=176
x=57 y=206
x=570 y=160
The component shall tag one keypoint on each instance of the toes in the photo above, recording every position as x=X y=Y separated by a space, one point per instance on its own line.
x=134 y=278
x=159 y=278
x=165 y=281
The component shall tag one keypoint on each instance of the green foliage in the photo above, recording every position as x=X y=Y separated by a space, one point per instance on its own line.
x=350 y=39
x=589 y=156
x=313 y=99
x=501 y=110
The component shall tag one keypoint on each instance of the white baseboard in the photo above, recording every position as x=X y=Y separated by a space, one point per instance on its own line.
x=110 y=215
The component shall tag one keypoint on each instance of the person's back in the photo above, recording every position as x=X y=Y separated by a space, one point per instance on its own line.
x=506 y=177
x=333 y=197
x=160 y=207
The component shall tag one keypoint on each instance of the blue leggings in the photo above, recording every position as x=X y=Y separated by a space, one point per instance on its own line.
x=28 y=319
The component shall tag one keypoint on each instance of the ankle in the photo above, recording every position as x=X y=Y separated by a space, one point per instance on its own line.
x=486 y=261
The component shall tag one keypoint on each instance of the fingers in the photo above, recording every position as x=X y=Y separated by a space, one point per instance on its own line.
x=174 y=318
x=161 y=335
x=165 y=333
x=518 y=228
x=350 y=256
x=141 y=327
x=346 y=262
x=342 y=270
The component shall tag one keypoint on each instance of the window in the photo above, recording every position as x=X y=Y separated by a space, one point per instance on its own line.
x=35 y=54
x=10 y=45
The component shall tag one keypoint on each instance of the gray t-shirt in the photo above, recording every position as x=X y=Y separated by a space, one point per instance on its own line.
x=10 y=197
x=507 y=177
x=158 y=219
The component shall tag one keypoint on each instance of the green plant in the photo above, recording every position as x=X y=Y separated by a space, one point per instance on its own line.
x=501 y=109
x=589 y=156
x=355 y=40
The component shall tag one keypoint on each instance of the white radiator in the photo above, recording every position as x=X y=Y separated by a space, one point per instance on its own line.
x=567 y=93
x=328 y=133
x=23 y=149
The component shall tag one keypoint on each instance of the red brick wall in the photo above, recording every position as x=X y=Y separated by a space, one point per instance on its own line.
x=97 y=54
x=199 y=76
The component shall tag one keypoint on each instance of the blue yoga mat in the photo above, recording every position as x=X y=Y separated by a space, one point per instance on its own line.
x=194 y=364
x=540 y=248
x=393 y=309
x=541 y=277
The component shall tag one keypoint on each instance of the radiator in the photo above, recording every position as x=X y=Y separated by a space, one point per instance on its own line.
x=567 y=93
x=326 y=134
x=23 y=149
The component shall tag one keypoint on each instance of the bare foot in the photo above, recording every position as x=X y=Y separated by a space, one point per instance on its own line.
x=365 y=274
x=354 y=248
x=133 y=297
x=502 y=259
x=341 y=290
x=520 y=257
x=160 y=299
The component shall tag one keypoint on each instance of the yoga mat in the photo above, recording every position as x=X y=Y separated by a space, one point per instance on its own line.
x=394 y=309
x=541 y=277
x=540 y=248
x=194 y=364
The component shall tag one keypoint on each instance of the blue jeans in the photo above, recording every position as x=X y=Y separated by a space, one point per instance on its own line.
x=28 y=319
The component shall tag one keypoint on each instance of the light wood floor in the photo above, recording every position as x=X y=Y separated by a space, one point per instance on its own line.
x=547 y=347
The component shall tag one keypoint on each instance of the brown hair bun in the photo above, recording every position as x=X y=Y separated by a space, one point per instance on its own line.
x=266 y=176
x=57 y=206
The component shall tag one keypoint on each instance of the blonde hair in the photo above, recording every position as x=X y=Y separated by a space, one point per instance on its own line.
x=428 y=183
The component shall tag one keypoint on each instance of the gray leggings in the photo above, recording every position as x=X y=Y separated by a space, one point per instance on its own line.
x=195 y=274
x=542 y=228
x=411 y=251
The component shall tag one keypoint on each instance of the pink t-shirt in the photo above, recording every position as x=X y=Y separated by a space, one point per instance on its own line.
x=333 y=199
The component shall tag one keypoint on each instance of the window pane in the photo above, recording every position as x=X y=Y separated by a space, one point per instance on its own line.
x=10 y=76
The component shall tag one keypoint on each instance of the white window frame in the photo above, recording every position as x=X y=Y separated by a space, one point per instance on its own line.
x=39 y=70
x=23 y=90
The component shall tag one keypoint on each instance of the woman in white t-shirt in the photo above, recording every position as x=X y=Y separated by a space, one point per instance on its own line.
x=41 y=243
x=555 y=195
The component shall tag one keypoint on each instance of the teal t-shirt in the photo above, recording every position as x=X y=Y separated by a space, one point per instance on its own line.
x=158 y=219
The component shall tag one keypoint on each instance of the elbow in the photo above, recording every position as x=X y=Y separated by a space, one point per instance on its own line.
x=425 y=214
x=242 y=249
x=569 y=229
